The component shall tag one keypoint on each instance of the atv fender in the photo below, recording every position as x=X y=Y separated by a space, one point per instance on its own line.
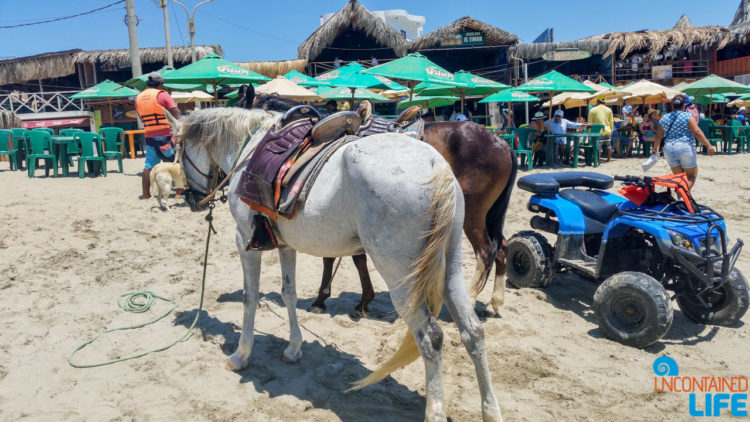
x=619 y=225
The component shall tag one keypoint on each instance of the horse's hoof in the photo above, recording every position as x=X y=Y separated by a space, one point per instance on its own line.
x=317 y=309
x=234 y=364
x=287 y=357
x=358 y=314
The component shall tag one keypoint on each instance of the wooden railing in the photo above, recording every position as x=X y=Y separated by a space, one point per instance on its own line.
x=39 y=102
x=732 y=67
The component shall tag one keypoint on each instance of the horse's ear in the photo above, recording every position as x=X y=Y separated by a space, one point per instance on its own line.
x=249 y=96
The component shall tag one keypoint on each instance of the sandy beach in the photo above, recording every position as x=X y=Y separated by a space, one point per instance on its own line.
x=69 y=247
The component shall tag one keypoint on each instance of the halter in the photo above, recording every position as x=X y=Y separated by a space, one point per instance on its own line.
x=215 y=174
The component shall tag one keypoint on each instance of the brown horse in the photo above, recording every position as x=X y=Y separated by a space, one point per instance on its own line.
x=485 y=167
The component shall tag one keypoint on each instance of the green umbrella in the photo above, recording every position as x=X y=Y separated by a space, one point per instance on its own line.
x=345 y=93
x=303 y=80
x=139 y=82
x=553 y=82
x=713 y=84
x=106 y=89
x=680 y=86
x=428 y=101
x=214 y=70
x=510 y=96
x=475 y=85
x=709 y=99
x=414 y=68
x=351 y=77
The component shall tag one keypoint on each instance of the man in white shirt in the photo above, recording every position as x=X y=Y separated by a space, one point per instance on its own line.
x=560 y=125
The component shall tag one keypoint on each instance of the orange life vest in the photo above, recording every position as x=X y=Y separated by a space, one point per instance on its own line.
x=151 y=113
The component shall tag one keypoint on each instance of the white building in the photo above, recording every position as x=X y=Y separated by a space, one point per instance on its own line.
x=410 y=26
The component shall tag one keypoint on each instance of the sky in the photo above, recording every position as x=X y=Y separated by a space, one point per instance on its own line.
x=251 y=30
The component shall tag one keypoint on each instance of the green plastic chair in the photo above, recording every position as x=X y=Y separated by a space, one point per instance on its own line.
x=110 y=149
x=45 y=129
x=745 y=145
x=523 y=147
x=72 y=147
x=9 y=147
x=736 y=135
x=591 y=146
x=39 y=148
x=20 y=137
x=86 y=141
x=116 y=133
x=708 y=128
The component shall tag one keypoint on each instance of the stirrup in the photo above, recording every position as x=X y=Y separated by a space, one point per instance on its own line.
x=263 y=238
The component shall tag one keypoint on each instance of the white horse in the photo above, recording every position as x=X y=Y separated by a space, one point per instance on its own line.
x=386 y=195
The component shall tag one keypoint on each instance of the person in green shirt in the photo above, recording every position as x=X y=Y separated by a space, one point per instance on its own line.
x=602 y=115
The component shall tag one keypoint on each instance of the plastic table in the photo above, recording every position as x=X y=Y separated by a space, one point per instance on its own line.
x=59 y=148
x=131 y=135
x=576 y=139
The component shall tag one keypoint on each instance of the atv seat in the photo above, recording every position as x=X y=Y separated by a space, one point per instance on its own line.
x=591 y=204
x=550 y=183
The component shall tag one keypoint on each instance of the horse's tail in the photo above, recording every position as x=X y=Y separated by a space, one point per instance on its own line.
x=428 y=272
x=496 y=214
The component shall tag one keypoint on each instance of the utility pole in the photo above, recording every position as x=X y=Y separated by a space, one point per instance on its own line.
x=191 y=24
x=163 y=5
x=135 y=58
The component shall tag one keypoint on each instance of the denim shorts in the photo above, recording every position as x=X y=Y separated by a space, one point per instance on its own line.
x=152 y=158
x=680 y=154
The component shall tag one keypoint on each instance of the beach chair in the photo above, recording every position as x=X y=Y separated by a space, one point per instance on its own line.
x=735 y=135
x=116 y=133
x=20 y=138
x=591 y=146
x=110 y=150
x=708 y=128
x=522 y=145
x=40 y=148
x=45 y=129
x=72 y=147
x=9 y=147
x=87 y=140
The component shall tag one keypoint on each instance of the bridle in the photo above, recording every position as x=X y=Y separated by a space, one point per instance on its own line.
x=194 y=196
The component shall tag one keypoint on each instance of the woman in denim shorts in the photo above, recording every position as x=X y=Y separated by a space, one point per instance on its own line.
x=679 y=132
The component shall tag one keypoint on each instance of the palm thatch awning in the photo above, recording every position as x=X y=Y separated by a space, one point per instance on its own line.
x=493 y=36
x=683 y=23
x=533 y=51
x=656 y=42
x=740 y=25
x=358 y=18
x=40 y=66
x=121 y=57
x=274 y=69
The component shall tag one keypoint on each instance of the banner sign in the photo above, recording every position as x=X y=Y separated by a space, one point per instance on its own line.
x=461 y=39
x=661 y=72
x=566 y=54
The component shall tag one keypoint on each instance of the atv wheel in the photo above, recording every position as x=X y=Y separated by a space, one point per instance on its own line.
x=529 y=260
x=633 y=309
x=726 y=305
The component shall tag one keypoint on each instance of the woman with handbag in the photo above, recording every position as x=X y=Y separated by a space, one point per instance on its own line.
x=678 y=130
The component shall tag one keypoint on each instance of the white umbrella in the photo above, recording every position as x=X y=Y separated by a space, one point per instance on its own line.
x=285 y=88
x=190 y=97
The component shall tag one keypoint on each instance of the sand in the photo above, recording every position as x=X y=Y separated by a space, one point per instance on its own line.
x=69 y=247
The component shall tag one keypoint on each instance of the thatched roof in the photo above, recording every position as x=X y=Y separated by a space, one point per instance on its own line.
x=274 y=69
x=121 y=57
x=740 y=25
x=9 y=120
x=683 y=23
x=492 y=34
x=40 y=66
x=533 y=51
x=357 y=17
x=657 y=42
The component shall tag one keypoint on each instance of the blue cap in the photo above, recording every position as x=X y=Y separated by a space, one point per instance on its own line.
x=559 y=113
x=461 y=118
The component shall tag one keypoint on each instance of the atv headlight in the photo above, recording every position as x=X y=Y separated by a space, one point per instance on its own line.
x=679 y=239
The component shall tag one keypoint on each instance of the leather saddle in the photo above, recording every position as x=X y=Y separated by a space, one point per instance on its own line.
x=374 y=125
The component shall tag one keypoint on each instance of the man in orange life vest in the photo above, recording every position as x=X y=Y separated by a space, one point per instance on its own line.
x=159 y=144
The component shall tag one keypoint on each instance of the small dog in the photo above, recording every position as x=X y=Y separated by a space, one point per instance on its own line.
x=162 y=177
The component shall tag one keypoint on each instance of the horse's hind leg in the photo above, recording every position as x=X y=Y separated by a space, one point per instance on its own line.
x=319 y=306
x=288 y=259
x=251 y=274
x=368 y=293
x=498 y=293
x=484 y=250
x=472 y=333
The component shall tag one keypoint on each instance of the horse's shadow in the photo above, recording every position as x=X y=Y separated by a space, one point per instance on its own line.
x=322 y=377
x=380 y=309
x=572 y=293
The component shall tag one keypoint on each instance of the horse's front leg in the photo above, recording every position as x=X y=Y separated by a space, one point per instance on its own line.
x=288 y=258
x=251 y=274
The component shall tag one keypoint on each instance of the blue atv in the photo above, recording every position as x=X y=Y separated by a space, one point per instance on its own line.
x=639 y=247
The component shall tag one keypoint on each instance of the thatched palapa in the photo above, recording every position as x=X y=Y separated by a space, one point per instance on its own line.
x=493 y=36
x=40 y=66
x=683 y=23
x=274 y=69
x=360 y=19
x=740 y=25
x=657 y=42
x=121 y=57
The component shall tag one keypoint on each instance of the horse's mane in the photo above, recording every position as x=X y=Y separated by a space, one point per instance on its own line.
x=217 y=129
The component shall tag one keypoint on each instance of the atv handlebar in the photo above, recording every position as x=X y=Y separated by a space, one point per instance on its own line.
x=634 y=180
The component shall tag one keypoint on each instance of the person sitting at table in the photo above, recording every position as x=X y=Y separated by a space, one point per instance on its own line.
x=559 y=126
x=150 y=105
x=647 y=130
x=538 y=139
x=602 y=115
x=626 y=131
